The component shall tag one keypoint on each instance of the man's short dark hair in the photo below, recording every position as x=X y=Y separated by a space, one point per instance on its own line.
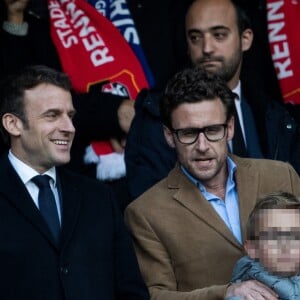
x=194 y=85
x=13 y=87
x=243 y=20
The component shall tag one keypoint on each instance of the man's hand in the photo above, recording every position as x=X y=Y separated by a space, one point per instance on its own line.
x=118 y=145
x=125 y=114
x=15 y=10
x=250 y=290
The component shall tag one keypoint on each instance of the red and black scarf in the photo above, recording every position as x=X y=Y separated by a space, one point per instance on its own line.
x=92 y=50
x=283 y=25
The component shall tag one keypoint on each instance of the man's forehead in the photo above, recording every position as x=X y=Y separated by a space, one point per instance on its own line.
x=282 y=219
x=202 y=109
x=212 y=13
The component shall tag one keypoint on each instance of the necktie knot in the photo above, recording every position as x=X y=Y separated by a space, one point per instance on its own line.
x=47 y=205
x=41 y=181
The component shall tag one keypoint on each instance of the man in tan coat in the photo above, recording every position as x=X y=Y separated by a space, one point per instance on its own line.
x=189 y=228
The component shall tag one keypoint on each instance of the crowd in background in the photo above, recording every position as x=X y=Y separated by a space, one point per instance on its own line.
x=175 y=36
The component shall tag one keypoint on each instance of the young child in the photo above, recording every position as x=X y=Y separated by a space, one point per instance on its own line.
x=273 y=246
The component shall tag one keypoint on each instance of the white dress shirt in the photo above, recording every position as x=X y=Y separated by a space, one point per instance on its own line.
x=26 y=173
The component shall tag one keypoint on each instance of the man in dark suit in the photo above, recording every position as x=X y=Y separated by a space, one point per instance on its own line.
x=218 y=34
x=66 y=240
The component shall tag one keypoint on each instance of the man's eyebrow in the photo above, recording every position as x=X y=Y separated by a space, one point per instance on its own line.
x=218 y=27
x=193 y=30
x=52 y=110
x=214 y=28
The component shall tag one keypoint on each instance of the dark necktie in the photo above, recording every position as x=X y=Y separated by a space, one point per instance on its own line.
x=238 y=143
x=253 y=145
x=47 y=205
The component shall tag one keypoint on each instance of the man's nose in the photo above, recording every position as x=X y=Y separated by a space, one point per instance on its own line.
x=67 y=124
x=208 y=44
x=202 y=142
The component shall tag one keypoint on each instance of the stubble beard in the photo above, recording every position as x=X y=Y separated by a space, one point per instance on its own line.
x=227 y=70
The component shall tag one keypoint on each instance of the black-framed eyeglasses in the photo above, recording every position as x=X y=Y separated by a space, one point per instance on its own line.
x=188 y=136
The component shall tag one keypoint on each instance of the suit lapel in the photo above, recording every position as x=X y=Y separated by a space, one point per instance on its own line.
x=188 y=195
x=71 y=200
x=253 y=146
x=247 y=181
x=13 y=190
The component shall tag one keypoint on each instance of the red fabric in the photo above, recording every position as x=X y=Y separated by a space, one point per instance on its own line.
x=283 y=27
x=92 y=50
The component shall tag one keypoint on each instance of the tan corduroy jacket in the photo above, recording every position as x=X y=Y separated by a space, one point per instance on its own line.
x=184 y=249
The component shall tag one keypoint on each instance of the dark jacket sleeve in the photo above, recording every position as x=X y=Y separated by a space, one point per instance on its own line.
x=148 y=157
x=283 y=135
x=96 y=114
x=277 y=123
x=129 y=282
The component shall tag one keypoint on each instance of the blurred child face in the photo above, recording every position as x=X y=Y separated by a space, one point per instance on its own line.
x=278 y=247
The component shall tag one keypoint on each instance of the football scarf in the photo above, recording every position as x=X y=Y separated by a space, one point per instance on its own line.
x=283 y=21
x=93 y=50
x=118 y=13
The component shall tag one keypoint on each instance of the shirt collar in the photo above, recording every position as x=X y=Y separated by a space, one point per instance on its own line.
x=237 y=91
x=231 y=170
x=25 y=172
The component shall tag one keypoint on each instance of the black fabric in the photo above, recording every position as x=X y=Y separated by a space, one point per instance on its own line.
x=238 y=143
x=253 y=146
x=160 y=25
x=95 y=259
x=47 y=205
x=148 y=157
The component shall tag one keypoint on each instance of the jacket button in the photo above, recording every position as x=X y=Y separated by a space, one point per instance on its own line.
x=64 y=270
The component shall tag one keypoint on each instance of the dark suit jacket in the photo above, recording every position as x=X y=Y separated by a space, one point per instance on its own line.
x=95 y=259
x=185 y=250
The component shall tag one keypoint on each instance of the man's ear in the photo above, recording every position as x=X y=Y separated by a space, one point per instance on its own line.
x=251 y=248
x=12 y=124
x=247 y=39
x=230 y=128
x=169 y=137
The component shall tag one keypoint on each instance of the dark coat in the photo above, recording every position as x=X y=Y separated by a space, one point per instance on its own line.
x=95 y=259
x=148 y=157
